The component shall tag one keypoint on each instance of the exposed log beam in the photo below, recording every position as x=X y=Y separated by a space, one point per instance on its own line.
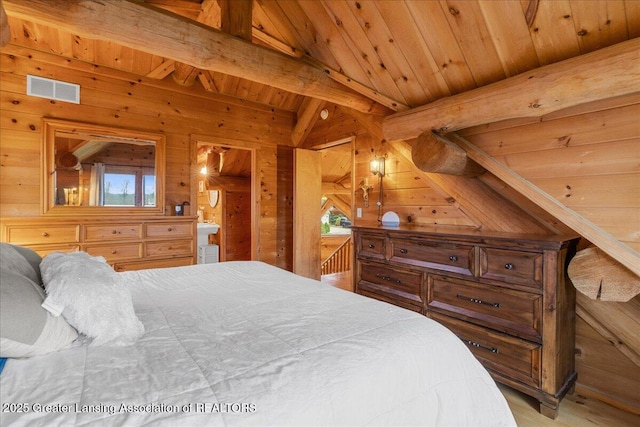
x=207 y=81
x=581 y=225
x=359 y=87
x=236 y=17
x=434 y=154
x=5 y=31
x=307 y=118
x=210 y=16
x=153 y=31
x=276 y=44
x=605 y=73
x=163 y=70
x=597 y=276
x=331 y=188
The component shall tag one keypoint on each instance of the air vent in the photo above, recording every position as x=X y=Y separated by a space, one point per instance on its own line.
x=53 y=89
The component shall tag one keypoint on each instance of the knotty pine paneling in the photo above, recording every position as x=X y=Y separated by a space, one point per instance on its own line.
x=604 y=370
x=404 y=192
x=284 y=204
x=114 y=98
x=589 y=160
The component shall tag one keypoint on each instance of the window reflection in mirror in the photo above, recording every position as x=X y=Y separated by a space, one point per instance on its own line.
x=97 y=167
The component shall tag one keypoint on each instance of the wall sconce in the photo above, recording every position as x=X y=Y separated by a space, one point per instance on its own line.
x=377 y=166
x=203 y=171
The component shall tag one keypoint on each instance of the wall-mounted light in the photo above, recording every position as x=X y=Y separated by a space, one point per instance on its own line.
x=377 y=166
x=324 y=114
x=203 y=171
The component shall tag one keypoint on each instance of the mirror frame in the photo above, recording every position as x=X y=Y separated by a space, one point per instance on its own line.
x=51 y=126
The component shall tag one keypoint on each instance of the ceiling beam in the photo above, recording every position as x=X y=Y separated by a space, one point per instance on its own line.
x=332 y=188
x=605 y=73
x=160 y=33
x=210 y=16
x=236 y=17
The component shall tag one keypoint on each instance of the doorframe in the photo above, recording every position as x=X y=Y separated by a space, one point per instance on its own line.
x=255 y=182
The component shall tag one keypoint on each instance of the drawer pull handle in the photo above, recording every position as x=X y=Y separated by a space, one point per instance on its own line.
x=508 y=266
x=478 y=301
x=453 y=258
x=45 y=234
x=114 y=252
x=403 y=251
x=388 y=279
x=169 y=229
x=478 y=345
x=371 y=246
x=114 y=232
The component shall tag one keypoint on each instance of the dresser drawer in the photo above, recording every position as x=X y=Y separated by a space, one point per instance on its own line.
x=116 y=252
x=524 y=268
x=172 y=249
x=396 y=284
x=372 y=247
x=157 y=263
x=502 y=354
x=391 y=300
x=511 y=311
x=452 y=257
x=169 y=229
x=100 y=233
x=31 y=235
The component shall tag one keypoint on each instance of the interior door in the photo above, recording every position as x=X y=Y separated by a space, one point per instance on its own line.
x=307 y=194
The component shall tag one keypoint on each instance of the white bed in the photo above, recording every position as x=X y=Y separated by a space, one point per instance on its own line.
x=245 y=343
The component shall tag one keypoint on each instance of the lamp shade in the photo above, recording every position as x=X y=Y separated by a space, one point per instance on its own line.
x=377 y=166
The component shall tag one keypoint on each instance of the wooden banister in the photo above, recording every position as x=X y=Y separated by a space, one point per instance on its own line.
x=339 y=260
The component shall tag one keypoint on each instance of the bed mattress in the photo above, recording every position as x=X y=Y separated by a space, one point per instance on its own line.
x=246 y=343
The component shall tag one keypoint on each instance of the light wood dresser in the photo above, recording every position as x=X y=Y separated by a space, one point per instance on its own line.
x=506 y=296
x=126 y=243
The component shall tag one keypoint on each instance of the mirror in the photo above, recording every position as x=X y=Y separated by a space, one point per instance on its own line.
x=101 y=170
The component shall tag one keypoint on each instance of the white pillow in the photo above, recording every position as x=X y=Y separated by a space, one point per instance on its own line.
x=91 y=297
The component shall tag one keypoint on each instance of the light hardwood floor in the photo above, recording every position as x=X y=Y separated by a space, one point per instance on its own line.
x=576 y=410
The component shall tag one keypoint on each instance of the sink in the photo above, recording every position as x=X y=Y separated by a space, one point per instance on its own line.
x=204 y=229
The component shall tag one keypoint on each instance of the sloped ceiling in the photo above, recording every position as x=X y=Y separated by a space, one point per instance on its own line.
x=412 y=52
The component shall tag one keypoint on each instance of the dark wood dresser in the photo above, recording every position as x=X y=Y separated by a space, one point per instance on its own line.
x=506 y=296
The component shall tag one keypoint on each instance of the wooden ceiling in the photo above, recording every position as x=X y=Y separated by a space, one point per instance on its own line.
x=401 y=54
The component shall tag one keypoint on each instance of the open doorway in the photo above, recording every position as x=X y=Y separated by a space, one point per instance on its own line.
x=224 y=197
x=336 y=211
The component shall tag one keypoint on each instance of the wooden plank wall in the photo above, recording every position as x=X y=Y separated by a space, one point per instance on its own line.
x=115 y=98
x=404 y=191
x=586 y=157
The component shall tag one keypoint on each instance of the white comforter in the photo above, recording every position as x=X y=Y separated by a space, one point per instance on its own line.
x=245 y=343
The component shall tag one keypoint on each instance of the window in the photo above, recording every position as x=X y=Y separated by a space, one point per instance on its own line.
x=119 y=189
x=149 y=190
x=126 y=186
